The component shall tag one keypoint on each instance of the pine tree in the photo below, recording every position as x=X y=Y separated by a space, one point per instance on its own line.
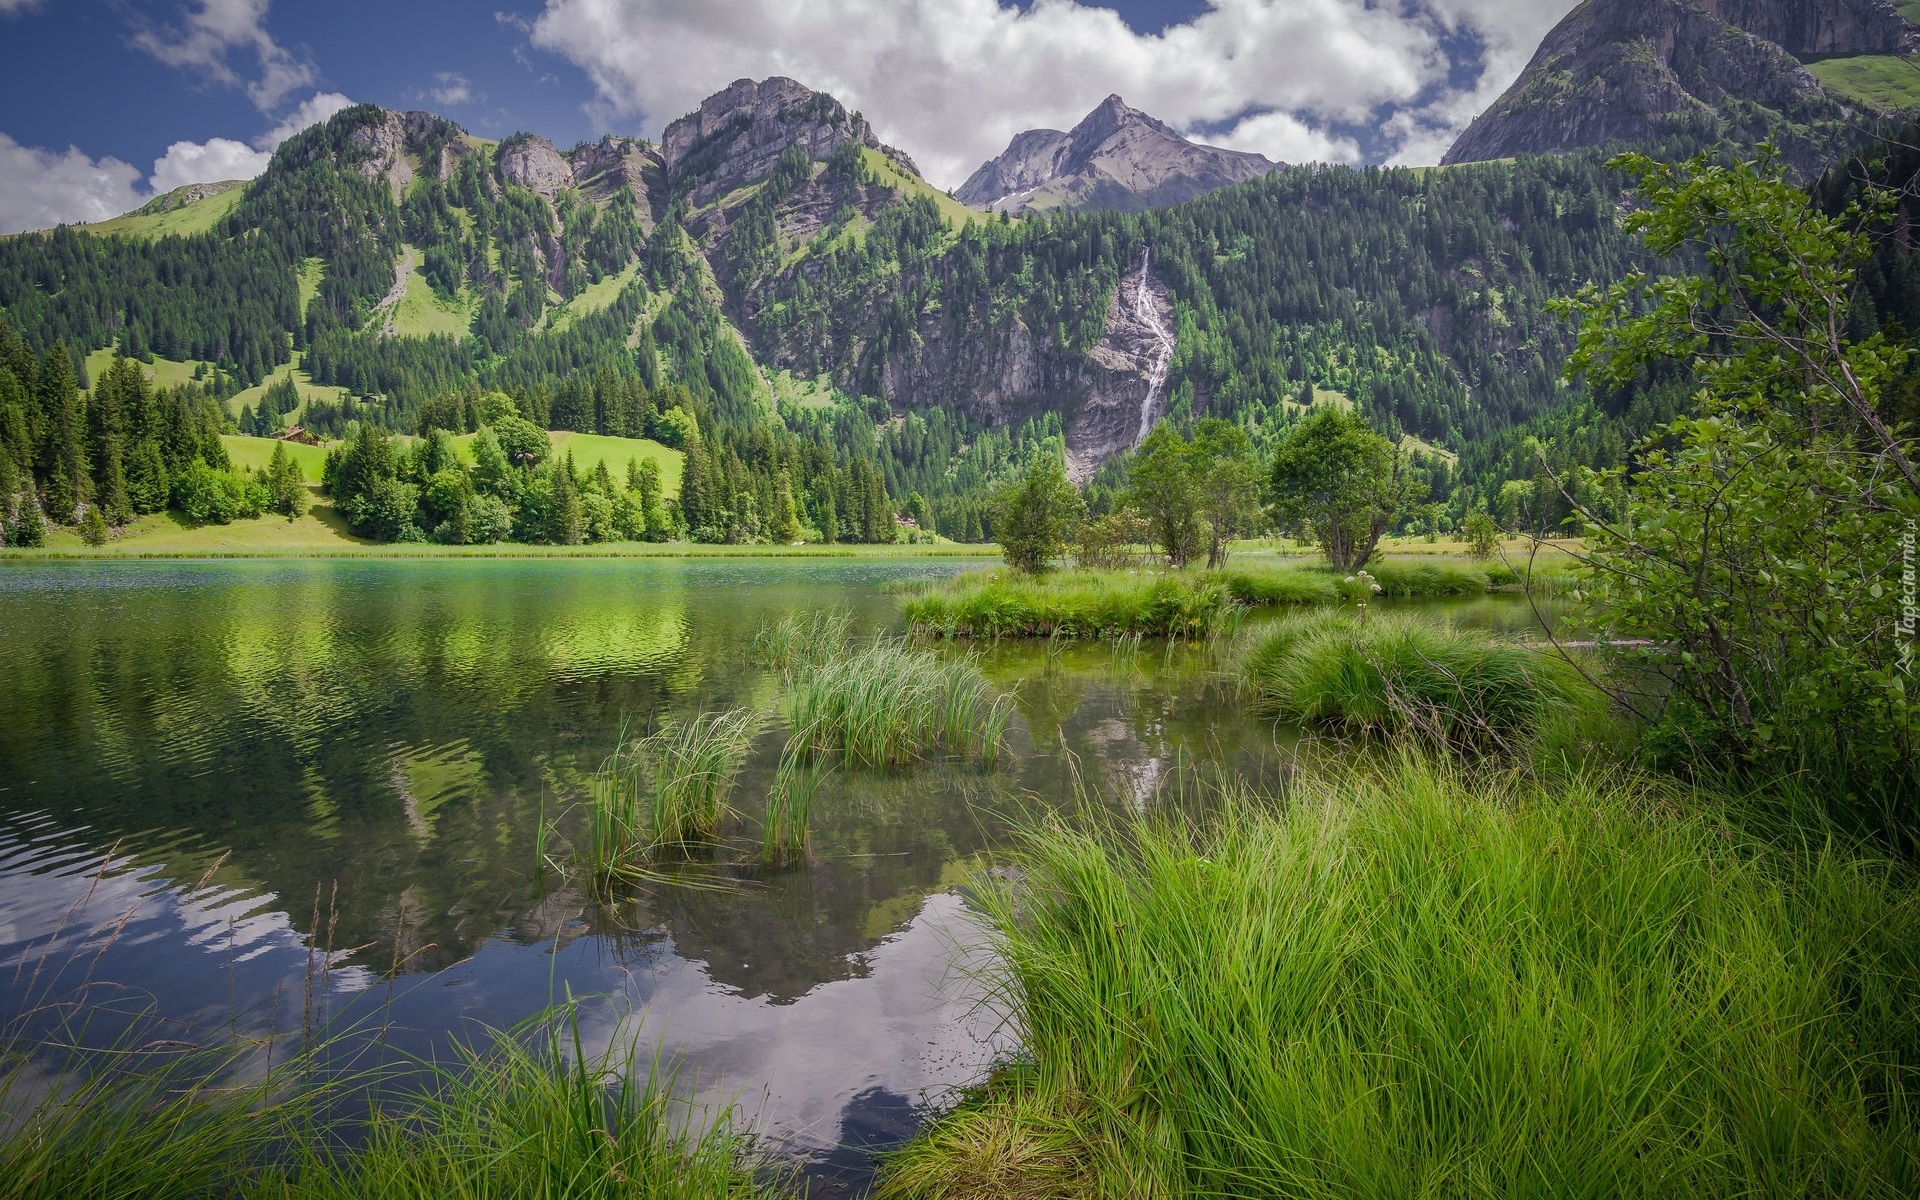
x=566 y=525
x=65 y=481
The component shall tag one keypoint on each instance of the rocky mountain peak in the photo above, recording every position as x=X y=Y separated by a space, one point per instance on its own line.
x=1116 y=157
x=739 y=133
x=534 y=163
x=1622 y=70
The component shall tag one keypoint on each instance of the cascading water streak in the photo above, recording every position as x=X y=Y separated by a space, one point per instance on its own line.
x=1157 y=378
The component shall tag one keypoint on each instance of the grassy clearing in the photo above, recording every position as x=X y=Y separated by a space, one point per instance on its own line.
x=252 y=453
x=1407 y=676
x=423 y=312
x=1421 y=982
x=159 y=219
x=592 y=299
x=528 y=1113
x=162 y=372
x=1884 y=81
x=589 y=450
x=890 y=703
x=957 y=215
x=302 y=383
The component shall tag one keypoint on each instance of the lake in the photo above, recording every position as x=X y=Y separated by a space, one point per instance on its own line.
x=274 y=796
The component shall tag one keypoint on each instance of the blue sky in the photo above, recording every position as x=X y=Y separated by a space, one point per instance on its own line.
x=104 y=101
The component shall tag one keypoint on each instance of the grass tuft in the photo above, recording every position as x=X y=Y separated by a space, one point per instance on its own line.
x=890 y=703
x=1422 y=981
x=798 y=639
x=1403 y=676
x=665 y=791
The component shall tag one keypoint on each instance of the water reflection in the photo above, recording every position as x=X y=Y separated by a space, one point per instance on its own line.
x=360 y=755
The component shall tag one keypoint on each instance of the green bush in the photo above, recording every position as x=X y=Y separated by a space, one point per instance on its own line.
x=209 y=496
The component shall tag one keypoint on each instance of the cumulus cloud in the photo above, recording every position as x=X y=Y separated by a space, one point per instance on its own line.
x=951 y=81
x=41 y=188
x=213 y=29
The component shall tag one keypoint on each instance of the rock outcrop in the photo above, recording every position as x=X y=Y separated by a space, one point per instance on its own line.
x=1117 y=158
x=1630 y=70
x=533 y=163
x=738 y=135
x=600 y=169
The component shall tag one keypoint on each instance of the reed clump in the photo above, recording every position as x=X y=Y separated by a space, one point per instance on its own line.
x=1397 y=675
x=1425 y=980
x=890 y=703
x=786 y=826
x=800 y=638
x=667 y=790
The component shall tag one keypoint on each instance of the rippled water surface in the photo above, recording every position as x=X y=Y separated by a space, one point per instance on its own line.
x=268 y=795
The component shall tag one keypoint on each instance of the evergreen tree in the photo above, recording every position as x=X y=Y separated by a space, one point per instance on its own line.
x=566 y=525
x=66 y=482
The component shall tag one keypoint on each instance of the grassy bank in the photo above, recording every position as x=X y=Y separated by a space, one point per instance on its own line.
x=1421 y=983
x=530 y=1112
x=1161 y=603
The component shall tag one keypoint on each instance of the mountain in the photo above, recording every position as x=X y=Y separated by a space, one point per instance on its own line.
x=773 y=283
x=1639 y=70
x=1117 y=158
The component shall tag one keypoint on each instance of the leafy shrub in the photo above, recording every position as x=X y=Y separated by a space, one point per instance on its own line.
x=212 y=497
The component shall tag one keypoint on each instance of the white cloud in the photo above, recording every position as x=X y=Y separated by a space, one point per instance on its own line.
x=13 y=8
x=450 y=88
x=951 y=81
x=39 y=188
x=312 y=111
x=224 y=158
x=206 y=162
x=211 y=30
x=1283 y=137
x=42 y=188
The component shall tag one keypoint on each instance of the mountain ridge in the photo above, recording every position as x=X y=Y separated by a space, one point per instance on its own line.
x=1117 y=157
x=1637 y=70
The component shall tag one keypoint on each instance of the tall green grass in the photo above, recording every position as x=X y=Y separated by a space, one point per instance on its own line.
x=529 y=1113
x=786 y=826
x=889 y=703
x=800 y=638
x=1425 y=983
x=1399 y=675
x=665 y=791
x=533 y=1114
x=1108 y=604
x=1074 y=604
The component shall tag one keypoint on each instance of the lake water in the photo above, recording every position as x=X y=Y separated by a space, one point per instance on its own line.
x=273 y=796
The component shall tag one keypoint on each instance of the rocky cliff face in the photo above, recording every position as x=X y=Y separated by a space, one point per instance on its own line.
x=534 y=163
x=1630 y=70
x=739 y=134
x=1118 y=158
x=600 y=169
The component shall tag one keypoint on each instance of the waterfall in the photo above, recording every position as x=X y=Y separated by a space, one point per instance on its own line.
x=1157 y=378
